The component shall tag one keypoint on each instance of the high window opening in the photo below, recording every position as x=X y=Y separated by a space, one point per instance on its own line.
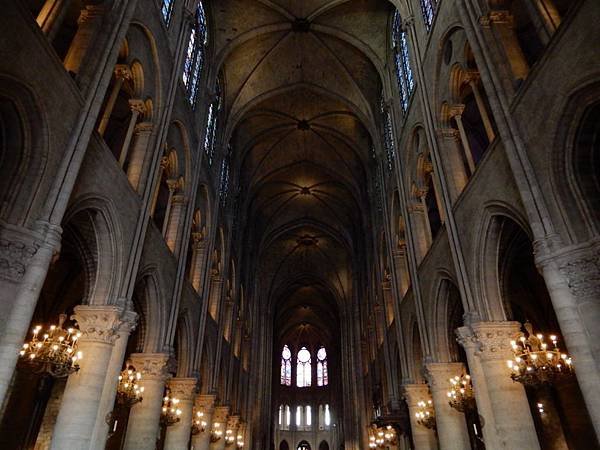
x=404 y=75
x=210 y=135
x=286 y=366
x=195 y=55
x=428 y=9
x=167 y=10
x=303 y=368
x=322 y=374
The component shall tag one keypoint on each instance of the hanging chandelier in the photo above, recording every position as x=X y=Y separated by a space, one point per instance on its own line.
x=216 y=433
x=536 y=362
x=240 y=441
x=170 y=412
x=129 y=392
x=425 y=414
x=460 y=395
x=54 y=351
x=382 y=438
x=229 y=437
x=198 y=423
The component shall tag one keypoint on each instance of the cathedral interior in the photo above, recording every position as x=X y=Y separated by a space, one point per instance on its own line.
x=300 y=224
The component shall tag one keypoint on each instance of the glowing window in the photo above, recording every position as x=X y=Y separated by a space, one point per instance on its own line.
x=210 y=136
x=308 y=416
x=404 y=75
x=327 y=416
x=428 y=9
x=388 y=135
x=286 y=366
x=298 y=416
x=167 y=9
x=303 y=375
x=195 y=54
x=322 y=373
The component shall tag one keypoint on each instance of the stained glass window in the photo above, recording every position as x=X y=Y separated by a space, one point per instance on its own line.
x=308 y=416
x=224 y=187
x=195 y=54
x=322 y=374
x=210 y=136
x=298 y=416
x=388 y=135
x=327 y=416
x=404 y=75
x=303 y=375
x=428 y=10
x=167 y=10
x=286 y=366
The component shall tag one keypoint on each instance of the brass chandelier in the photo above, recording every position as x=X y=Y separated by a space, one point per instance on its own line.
x=129 y=392
x=170 y=412
x=382 y=437
x=425 y=414
x=198 y=423
x=54 y=351
x=536 y=362
x=460 y=395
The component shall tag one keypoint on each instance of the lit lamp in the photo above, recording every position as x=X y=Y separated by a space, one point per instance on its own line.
x=53 y=352
x=198 y=423
x=129 y=392
x=535 y=362
x=425 y=414
x=170 y=412
x=460 y=395
x=217 y=432
x=240 y=441
x=229 y=437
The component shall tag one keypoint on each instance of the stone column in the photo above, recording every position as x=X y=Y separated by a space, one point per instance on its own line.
x=89 y=20
x=137 y=108
x=573 y=280
x=178 y=435
x=423 y=438
x=83 y=393
x=483 y=112
x=502 y=23
x=219 y=423
x=51 y=17
x=115 y=365
x=135 y=168
x=468 y=341
x=198 y=264
x=455 y=167
x=173 y=185
x=25 y=262
x=512 y=416
x=456 y=113
x=451 y=424
x=401 y=266
x=122 y=73
x=144 y=418
x=204 y=403
x=178 y=202
x=232 y=426
x=216 y=286
x=420 y=224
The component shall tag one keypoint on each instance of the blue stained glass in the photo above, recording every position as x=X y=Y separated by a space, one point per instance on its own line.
x=428 y=9
x=195 y=54
x=167 y=9
x=404 y=73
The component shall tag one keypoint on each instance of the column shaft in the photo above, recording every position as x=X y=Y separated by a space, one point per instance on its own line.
x=137 y=158
x=81 y=400
x=423 y=438
x=88 y=22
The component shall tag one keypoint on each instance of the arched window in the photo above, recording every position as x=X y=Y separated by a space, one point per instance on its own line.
x=280 y=419
x=404 y=75
x=286 y=366
x=288 y=417
x=308 y=420
x=428 y=9
x=194 y=57
x=210 y=136
x=388 y=135
x=224 y=186
x=298 y=416
x=303 y=377
x=167 y=9
x=327 y=416
x=322 y=374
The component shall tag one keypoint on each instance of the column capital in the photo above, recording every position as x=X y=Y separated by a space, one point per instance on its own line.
x=143 y=128
x=123 y=72
x=129 y=321
x=439 y=374
x=98 y=323
x=448 y=133
x=497 y=17
x=408 y=21
x=206 y=403
x=414 y=393
x=183 y=388
x=90 y=13
x=493 y=339
x=137 y=105
x=233 y=421
x=198 y=240
x=456 y=110
x=152 y=365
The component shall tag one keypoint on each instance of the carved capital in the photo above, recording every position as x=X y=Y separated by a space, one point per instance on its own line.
x=183 y=388
x=15 y=256
x=408 y=21
x=439 y=374
x=414 y=393
x=90 y=14
x=494 y=338
x=129 y=321
x=205 y=403
x=153 y=366
x=123 y=72
x=497 y=17
x=449 y=133
x=198 y=240
x=138 y=106
x=220 y=415
x=143 y=128
x=173 y=184
x=582 y=274
x=98 y=323
x=456 y=111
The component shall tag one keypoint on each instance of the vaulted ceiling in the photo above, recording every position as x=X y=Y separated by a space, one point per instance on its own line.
x=301 y=84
